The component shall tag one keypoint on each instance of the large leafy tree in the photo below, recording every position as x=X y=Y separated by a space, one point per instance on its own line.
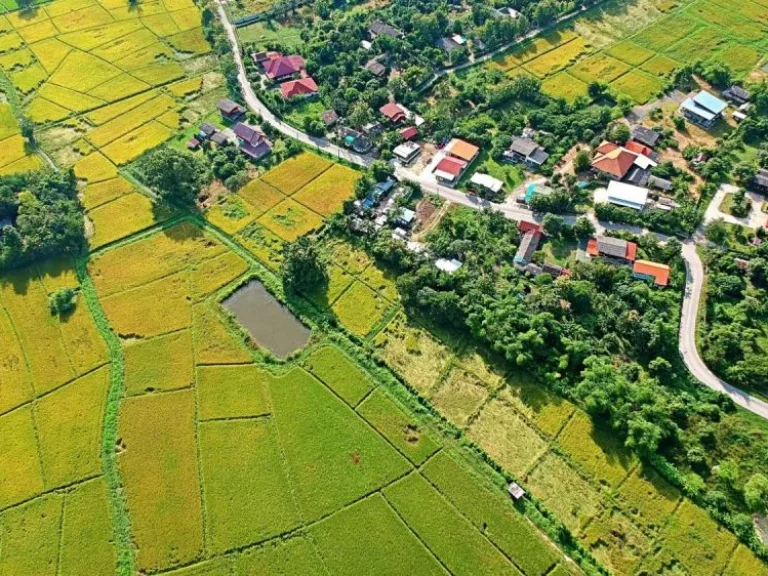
x=177 y=177
x=303 y=269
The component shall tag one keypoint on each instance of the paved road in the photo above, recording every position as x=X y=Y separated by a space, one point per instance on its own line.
x=694 y=266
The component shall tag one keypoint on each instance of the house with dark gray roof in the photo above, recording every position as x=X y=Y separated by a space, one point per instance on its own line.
x=760 y=182
x=526 y=151
x=737 y=95
x=448 y=45
x=645 y=136
x=376 y=68
x=252 y=141
x=379 y=28
x=660 y=183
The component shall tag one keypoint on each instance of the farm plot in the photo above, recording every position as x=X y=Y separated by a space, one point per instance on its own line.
x=265 y=245
x=231 y=214
x=614 y=541
x=226 y=392
x=340 y=374
x=461 y=396
x=649 y=498
x=261 y=195
x=326 y=193
x=122 y=217
x=348 y=459
x=289 y=220
x=296 y=172
x=369 y=537
x=360 y=309
x=557 y=59
x=144 y=374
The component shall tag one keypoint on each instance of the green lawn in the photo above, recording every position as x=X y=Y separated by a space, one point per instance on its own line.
x=263 y=33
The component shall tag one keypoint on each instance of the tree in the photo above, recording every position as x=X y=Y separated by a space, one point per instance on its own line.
x=582 y=161
x=302 y=269
x=583 y=227
x=756 y=493
x=598 y=90
x=553 y=224
x=620 y=133
x=27 y=130
x=678 y=121
x=176 y=176
x=62 y=301
x=744 y=172
x=716 y=231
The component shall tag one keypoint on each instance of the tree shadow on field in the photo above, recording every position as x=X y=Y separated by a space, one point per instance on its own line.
x=17 y=279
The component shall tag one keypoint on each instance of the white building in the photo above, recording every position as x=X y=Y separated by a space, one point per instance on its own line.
x=406 y=152
x=627 y=195
x=448 y=266
x=488 y=182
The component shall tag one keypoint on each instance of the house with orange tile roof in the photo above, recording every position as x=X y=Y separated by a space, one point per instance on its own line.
x=462 y=150
x=647 y=270
x=302 y=87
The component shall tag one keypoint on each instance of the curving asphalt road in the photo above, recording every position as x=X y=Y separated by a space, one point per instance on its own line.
x=695 y=275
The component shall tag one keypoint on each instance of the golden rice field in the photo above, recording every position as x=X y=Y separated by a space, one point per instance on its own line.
x=115 y=75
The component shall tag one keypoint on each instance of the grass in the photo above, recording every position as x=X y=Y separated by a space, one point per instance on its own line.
x=31 y=536
x=412 y=352
x=458 y=544
x=246 y=491
x=86 y=531
x=296 y=172
x=491 y=512
x=334 y=458
x=398 y=427
x=506 y=437
x=21 y=476
x=327 y=193
x=597 y=450
x=69 y=424
x=359 y=309
x=460 y=396
x=144 y=374
x=556 y=483
x=160 y=475
x=123 y=217
x=369 y=537
x=340 y=374
x=289 y=220
x=263 y=33
x=152 y=309
x=232 y=392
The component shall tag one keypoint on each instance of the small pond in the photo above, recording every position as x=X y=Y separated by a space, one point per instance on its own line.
x=270 y=324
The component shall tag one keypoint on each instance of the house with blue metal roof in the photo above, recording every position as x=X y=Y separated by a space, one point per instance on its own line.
x=703 y=109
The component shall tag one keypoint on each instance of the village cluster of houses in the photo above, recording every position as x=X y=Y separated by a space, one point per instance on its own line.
x=620 y=251
x=250 y=140
x=705 y=109
x=381 y=206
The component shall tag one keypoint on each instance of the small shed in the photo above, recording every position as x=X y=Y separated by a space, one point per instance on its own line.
x=515 y=491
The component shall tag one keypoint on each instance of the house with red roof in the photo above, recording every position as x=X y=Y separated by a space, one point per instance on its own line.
x=278 y=67
x=394 y=113
x=409 y=133
x=449 y=170
x=303 y=87
x=630 y=163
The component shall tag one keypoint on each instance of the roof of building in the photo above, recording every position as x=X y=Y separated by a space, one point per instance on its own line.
x=300 y=87
x=553 y=269
x=248 y=133
x=448 y=44
x=637 y=176
x=627 y=195
x=283 y=66
x=406 y=150
x=208 y=129
x=376 y=68
x=526 y=226
x=538 y=157
x=761 y=178
x=228 y=107
x=462 y=149
x=615 y=247
x=645 y=135
x=487 y=181
x=737 y=93
x=330 y=117
x=528 y=245
x=258 y=150
x=638 y=148
x=219 y=138
x=606 y=147
x=659 y=272
x=448 y=266
x=392 y=111
x=660 y=183
x=409 y=132
x=452 y=166
x=523 y=146
x=192 y=143
x=406 y=215
x=710 y=102
x=378 y=27
x=615 y=162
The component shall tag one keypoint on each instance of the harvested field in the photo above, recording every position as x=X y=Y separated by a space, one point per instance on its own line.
x=265 y=245
x=395 y=425
x=383 y=281
x=353 y=260
x=460 y=396
x=348 y=459
x=616 y=543
x=547 y=411
x=160 y=475
x=649 y=498
x=501 y=432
